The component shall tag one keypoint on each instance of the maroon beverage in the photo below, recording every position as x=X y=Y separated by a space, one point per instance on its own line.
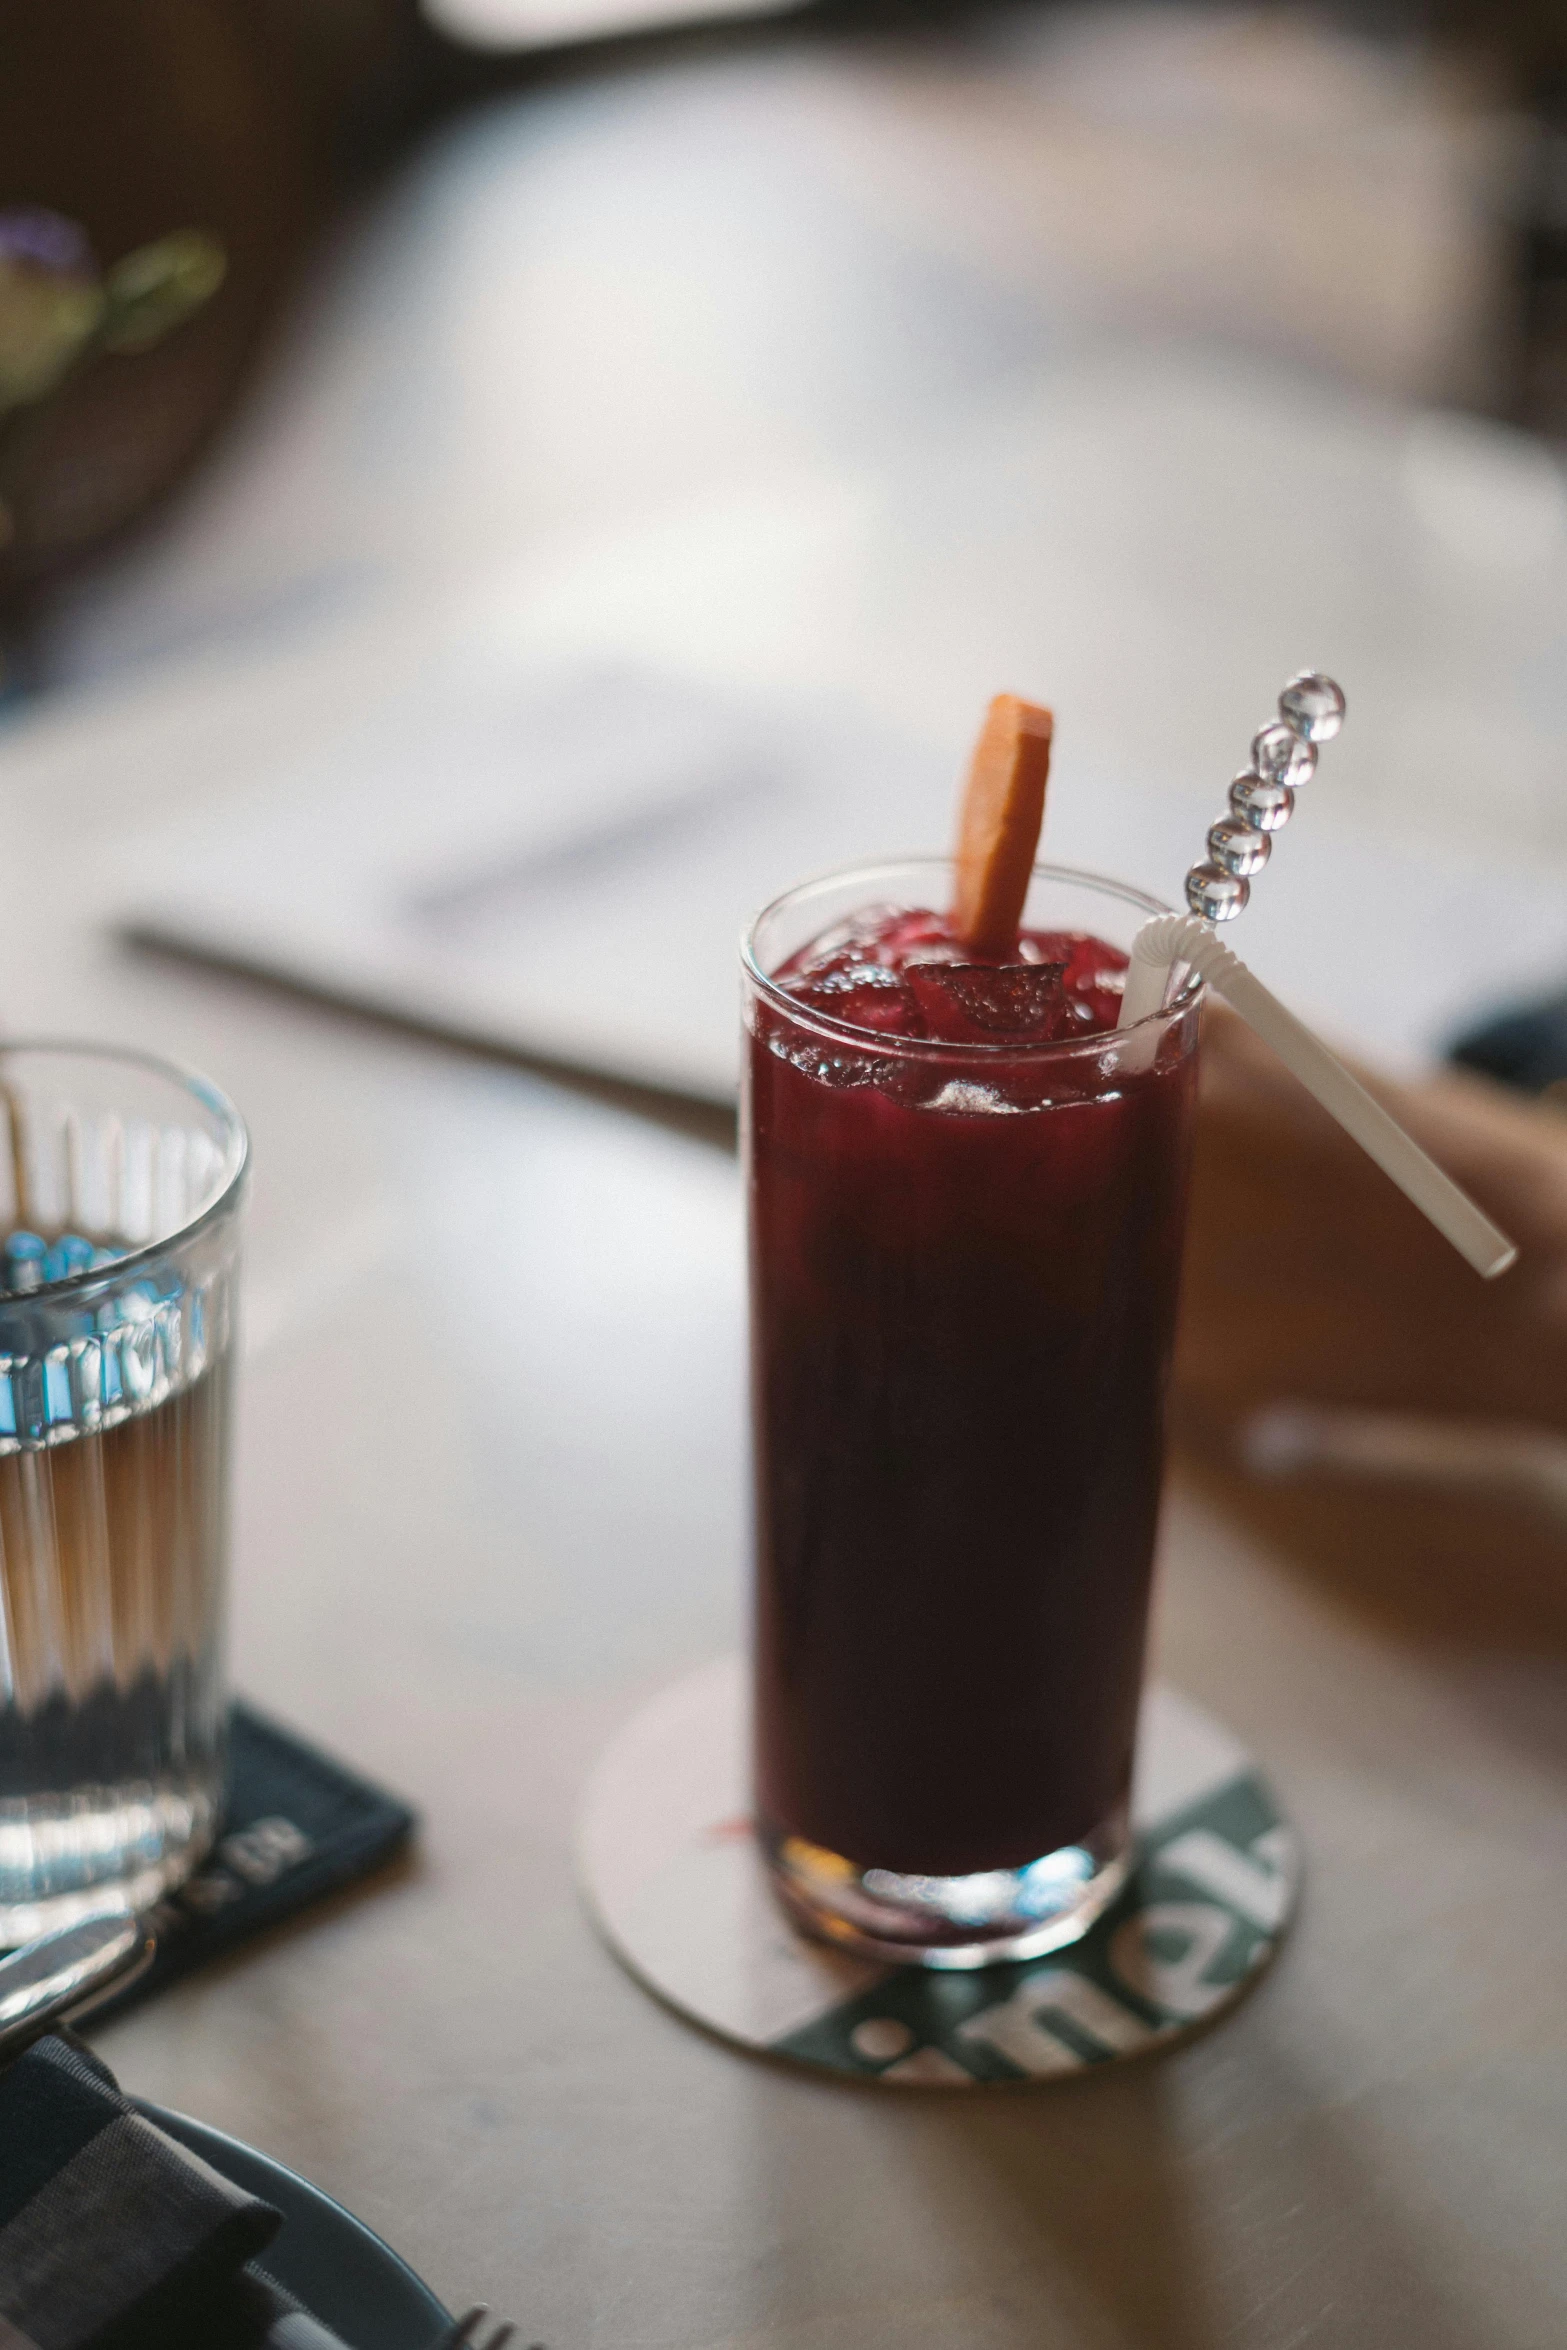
x=967 y=1200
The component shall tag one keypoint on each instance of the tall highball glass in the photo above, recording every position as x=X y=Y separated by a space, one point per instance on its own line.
x=964 y=1268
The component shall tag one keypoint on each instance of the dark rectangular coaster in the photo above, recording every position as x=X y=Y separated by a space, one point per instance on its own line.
x=1524 y=1047
x=297 y=1825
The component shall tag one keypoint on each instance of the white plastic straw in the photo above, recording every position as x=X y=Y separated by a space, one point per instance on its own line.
x=1182 y=938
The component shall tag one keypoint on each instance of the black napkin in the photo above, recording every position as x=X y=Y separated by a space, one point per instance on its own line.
x=112 y=2237
x=297 y=1825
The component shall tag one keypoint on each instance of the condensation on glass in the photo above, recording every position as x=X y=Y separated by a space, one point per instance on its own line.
x=121 y=1184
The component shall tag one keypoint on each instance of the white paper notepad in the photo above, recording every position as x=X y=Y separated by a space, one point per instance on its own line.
x=558 y=862
x=557 y=865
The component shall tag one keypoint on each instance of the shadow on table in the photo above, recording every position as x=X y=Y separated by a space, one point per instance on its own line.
x=1180 y=2202
x=1432 y=1566
x=1480 y=1589
x=1178 y=2229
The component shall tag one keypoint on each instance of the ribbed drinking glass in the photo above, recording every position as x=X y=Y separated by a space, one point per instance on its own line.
x=121 y=1187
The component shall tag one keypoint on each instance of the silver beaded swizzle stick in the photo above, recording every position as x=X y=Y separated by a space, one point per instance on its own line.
x=1262 y=797
x=1283 y=756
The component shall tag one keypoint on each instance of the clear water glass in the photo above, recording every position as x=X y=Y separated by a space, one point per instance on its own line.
x=121 y=1188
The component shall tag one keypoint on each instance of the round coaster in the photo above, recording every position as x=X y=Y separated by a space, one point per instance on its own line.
x=679 y=1889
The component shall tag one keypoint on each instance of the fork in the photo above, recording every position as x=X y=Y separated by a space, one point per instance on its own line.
x=464 y=2335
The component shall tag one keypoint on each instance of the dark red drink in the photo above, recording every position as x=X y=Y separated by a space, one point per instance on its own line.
x=967 y=1199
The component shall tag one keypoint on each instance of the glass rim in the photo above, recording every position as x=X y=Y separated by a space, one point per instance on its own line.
x=1011 y=1050
x=188 y=1081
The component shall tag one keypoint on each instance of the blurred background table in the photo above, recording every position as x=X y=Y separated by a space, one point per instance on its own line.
x=1095 y=352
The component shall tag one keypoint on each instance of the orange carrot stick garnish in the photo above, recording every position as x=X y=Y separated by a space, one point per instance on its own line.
x=998 y=830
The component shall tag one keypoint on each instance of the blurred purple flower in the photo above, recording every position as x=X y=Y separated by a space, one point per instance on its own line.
x=50 y=303
x=57 y=314
x=47 y=240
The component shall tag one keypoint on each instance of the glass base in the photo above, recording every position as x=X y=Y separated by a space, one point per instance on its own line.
x=986 y=1919
x=99 y=1852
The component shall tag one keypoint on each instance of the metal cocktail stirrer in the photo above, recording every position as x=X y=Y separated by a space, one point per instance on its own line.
x=1311 y=710
x=1262 y=798
x=1262 y=801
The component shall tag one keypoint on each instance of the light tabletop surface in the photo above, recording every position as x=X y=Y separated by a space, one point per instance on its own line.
x=491 y=1468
